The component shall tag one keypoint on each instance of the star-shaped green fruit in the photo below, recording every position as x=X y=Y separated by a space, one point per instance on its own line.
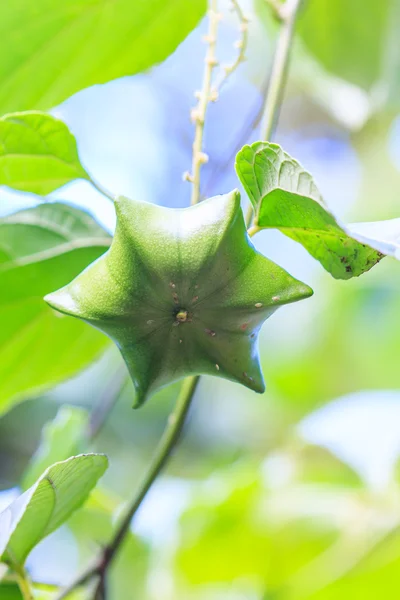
x=181 y=292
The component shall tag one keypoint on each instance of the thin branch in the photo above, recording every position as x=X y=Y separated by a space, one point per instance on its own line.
x=170 y=436
x=100 y=592
x=288 y=14
x=167 y=443
x=106 y=402
x=210 y=92
x=241 y=44
x=85 y=576
x=97 y=186
x=198 y=114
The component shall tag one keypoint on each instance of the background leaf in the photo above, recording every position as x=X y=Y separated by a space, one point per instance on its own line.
x=227 y=533
x=47 y=504
x=51 y=49
x=10 y=591
x=285 y=197
x=349 y=38
x=37 y=153
x=61 y=438
x=42 y=249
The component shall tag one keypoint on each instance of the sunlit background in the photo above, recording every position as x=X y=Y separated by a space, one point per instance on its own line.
x=292 y=494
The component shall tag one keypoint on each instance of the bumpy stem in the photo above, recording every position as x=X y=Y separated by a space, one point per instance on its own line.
x=273 y=100
x=171 y=434
x=199 y=112
x=241 y=44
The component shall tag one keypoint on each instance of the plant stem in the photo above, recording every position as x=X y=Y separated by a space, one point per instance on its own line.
x=273 y=100
x=170 y=436
x=279 y=69
x=23 y=583
x=109 y=397
x=241 y=44
x=87 y=574
x=97 y=186
x=253 y=230
x=199 y=113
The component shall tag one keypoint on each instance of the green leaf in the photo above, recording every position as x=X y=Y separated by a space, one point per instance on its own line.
x=10 y=591
x=38 y=153
x=61 y=490
x=63 y=47
x=285 y=197
x=61 y=438
x=349 y=38
x=181 y=292
x=240 y=530
x=42 y=248
x=367 y=567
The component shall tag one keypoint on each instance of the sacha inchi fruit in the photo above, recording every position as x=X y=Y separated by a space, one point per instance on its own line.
x=181 y=292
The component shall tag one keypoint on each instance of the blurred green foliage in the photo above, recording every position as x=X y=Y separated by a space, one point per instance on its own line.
x=249 y=508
